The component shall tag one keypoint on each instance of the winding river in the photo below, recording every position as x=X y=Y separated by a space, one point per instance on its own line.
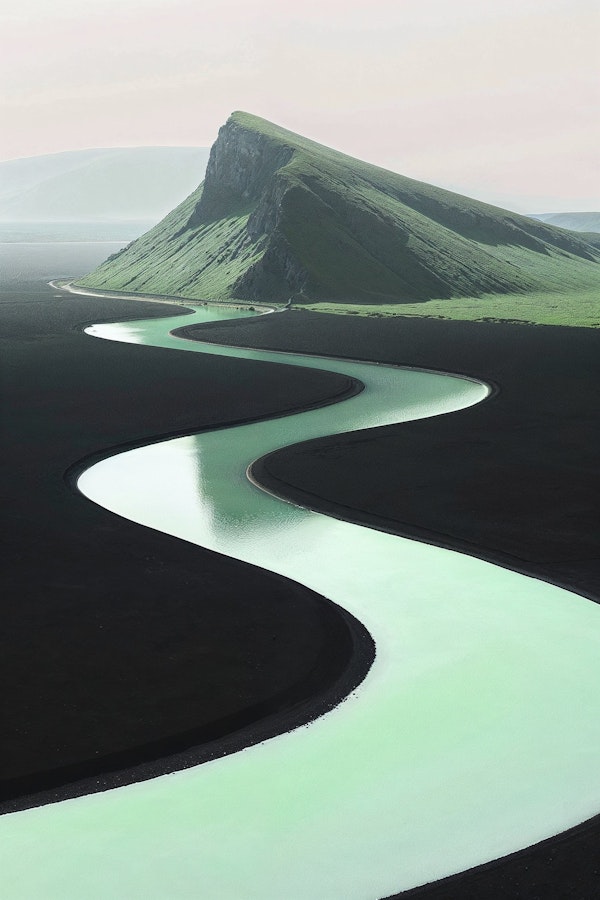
x=475 y=733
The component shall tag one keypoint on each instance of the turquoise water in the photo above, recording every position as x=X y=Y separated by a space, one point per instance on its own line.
x=474 y=734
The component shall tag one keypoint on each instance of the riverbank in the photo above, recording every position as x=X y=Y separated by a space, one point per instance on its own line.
x=72 y=287
x=513 y=480
x=122 y=647
x=560 y=872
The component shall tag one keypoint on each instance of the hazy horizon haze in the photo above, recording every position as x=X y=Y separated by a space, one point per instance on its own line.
x=498 y=102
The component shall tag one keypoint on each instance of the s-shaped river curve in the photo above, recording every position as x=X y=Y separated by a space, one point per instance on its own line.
x=474 y=734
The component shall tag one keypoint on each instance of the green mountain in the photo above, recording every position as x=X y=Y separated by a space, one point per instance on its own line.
x=279 y=215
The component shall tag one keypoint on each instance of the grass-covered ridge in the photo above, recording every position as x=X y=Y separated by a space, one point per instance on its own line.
x=279 y=215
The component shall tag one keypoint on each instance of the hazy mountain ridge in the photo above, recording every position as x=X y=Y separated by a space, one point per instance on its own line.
x=279 y=214
x=138 y=183
x=586 y=222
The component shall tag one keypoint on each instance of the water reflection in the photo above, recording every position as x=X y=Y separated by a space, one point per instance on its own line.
x=139 y=332
x=474 y=734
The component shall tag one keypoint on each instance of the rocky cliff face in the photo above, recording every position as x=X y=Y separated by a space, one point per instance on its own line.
x=240 y=168
x=244 y=175
x=280 y=216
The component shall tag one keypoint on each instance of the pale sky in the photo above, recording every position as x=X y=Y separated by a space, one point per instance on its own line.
x=497 y=99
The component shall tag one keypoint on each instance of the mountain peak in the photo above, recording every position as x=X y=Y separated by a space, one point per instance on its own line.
x=279 y=214
x=242 y=161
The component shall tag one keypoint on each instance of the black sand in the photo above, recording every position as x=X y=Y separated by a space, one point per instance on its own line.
x=122 y=600
x=515 y=480
x=120 y=645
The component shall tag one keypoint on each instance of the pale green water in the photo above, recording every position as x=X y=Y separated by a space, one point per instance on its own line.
x=475 y=732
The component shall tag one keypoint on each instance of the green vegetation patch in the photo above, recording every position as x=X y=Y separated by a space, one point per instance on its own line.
x=577 y=308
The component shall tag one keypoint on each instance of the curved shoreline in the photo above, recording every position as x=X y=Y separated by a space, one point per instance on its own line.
x=344 y=658
x=480 y=881
x=349 y=663
x=562 y=865
x=388 y=523
x=77 y=468
x=260 y=474
x=319 y=505
x=168 y=299
x=188 y=333
x=550 y=842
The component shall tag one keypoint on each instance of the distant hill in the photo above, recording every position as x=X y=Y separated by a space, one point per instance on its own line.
x=140 y=183
x=575 y=221
x=279 y=215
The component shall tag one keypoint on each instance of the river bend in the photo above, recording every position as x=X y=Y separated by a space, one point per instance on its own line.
x=474 y=734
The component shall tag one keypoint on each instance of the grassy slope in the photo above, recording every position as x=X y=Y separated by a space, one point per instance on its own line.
x=160 y=263
x=336 y=231
x=577 y=308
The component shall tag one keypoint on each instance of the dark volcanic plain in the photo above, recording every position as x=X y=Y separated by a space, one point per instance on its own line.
x=514 y=480
x=121 y=645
